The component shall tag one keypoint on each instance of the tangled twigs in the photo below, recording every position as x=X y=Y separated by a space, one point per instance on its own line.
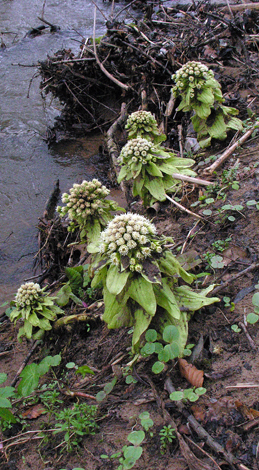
x=103 y=69
x=233 y=278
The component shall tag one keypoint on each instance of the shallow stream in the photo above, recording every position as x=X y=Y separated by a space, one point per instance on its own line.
x=28 y=168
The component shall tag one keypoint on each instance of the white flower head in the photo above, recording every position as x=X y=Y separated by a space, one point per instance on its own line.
x=28 y=293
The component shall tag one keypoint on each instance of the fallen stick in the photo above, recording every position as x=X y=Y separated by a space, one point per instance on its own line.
x=190 y=179
x=103 y=69
x=182 y=207
x=242 y=6
x=233 y=278
x=230 y=150
x=230 y=458
x=25 y=361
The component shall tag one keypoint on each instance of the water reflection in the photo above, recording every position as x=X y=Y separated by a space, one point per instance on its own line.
x=29 y=169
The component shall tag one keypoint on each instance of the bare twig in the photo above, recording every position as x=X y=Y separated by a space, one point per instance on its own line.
x=233 y=278
x=16 y=378
x=230 y=150
x=103 y=69
x=182 y=207
x=250 y=340
x=242 y=6
x=190 y=179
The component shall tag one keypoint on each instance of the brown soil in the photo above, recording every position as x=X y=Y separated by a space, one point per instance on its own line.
x=228 y=412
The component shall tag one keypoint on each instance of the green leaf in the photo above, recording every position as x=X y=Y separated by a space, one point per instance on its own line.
x=83 y=370
x=75 y=276
x=115 y=281
x=166 y=299
x=131 y=454
x=116 y=313
x=170 y=334
x=176 y=396
x=100 y=396
x=153 y=169
x=164 y=355
x=3 y=377
x=255 y=299
x=252 y=318
x=158 y=367
x=191 y=300
x=148 y=349
x=142 y=322
x=110 y=386
x=156 y=188
x=218 y=128
x=142 y=292
x=200 y=390
x=137 y=186
x=206 y=96
x=7 y=416
x=7 y=392
x=63 y=295
x=93 y=231
x=217 y=262
x=151 y=335
x=136 y=437
x=123 y=173
x=173 y=350
x=30 y=380
x=5 y=403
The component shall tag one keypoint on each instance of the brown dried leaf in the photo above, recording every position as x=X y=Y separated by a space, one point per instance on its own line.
x=248 y=413
x=34 y=412
x=209 y=52
x=191 y=373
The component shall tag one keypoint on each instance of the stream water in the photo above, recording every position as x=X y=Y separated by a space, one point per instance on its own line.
x=28 y=168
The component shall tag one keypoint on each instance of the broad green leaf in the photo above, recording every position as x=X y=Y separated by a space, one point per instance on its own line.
x=30 y=380
x=192 y=300
x=115 y=281
x=156 y=188
x=153 y=169
x=7 y=416
x=255 y=299
x=235 y=124
x=163 y=355
x=137 y=186
x=131 y=454
x=170 y=266
x=93 y=231
x=99 y=276
x=136 y=437
x=47 y=362
x=158 y=367
x=218 y=128
x=148 y=349
x=63 y=295
x=142 y=292
x=205 y=142
x=75 y=276
x=116 y=313
x=202 y=110
x=7 y=392
x=27 y=328
x=141 y=324
x=173 y=350
x=252 y=318
x=170 y=334
x=206 y=96
x=176 y=396
x=123 y=173
x=34 y=320
x=5 y=403
x=3 y=377
x=166 y=299
x=151 y=335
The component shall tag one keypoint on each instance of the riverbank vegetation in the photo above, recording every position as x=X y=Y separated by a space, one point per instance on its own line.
x=139 y=333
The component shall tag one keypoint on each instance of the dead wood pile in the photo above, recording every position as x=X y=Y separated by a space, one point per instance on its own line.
x=142 y=56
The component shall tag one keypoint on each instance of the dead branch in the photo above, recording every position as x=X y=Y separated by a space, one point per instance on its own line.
x=230 y=150
x=103 y=69
x=182 y=208
x=233 y=278
x=242 y=6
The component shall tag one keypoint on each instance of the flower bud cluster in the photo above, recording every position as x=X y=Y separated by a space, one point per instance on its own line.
x=129 y=235
x=141 y=122
x=85 y=200
x=27 y=294
x=137 y=151
x=191 y=75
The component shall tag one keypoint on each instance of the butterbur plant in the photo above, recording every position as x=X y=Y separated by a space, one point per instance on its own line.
x=143 y=124
x=35 y=308
x=88 y=209
x=141 y=280
x=151 y=167
x=201 y=93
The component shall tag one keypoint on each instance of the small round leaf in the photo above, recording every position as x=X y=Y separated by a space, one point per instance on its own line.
x=157 y=367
